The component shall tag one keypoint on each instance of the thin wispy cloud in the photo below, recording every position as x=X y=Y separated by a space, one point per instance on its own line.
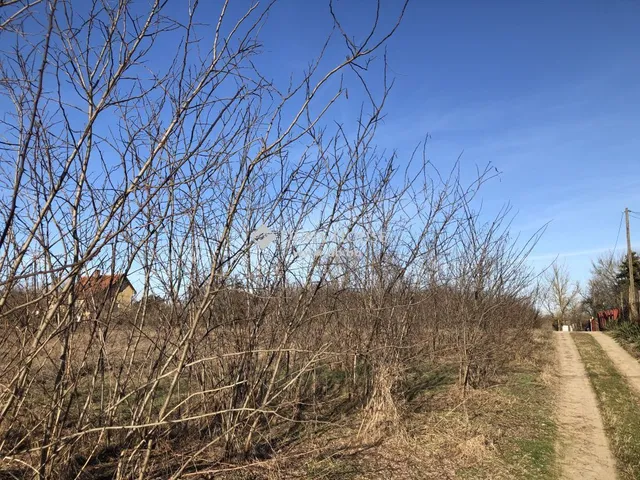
x=577 y=253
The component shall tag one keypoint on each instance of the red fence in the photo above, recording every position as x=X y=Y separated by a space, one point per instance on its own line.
x=604 y=317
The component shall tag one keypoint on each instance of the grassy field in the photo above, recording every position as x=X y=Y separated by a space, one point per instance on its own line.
x=618 y=404
x=505 y=430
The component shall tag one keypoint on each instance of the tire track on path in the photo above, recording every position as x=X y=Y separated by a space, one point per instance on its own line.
x=583 y=448
x=623 y=361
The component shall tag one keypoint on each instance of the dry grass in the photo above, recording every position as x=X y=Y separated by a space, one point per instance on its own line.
x=431 y=431
x=415 y=421
x=504 y=431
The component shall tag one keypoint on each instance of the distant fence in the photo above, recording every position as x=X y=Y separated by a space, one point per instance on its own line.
x=605 y=318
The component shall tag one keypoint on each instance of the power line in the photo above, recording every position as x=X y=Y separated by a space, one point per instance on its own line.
x=618 y=236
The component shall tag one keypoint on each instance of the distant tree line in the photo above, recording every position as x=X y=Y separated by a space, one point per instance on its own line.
x=608 y=286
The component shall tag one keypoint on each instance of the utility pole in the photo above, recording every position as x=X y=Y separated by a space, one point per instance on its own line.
x=633 y=310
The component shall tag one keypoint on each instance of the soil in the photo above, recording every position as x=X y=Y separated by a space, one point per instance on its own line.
x=583 y=448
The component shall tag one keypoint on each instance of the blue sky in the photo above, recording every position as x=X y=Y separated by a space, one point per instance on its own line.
x=546 y=91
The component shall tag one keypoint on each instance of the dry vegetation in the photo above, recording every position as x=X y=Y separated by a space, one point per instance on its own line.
x=506 y=430
x=297 y=357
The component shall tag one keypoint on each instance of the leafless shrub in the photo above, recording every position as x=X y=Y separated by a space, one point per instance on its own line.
x=167 y=176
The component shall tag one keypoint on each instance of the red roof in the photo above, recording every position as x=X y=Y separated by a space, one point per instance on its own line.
x=97 y=283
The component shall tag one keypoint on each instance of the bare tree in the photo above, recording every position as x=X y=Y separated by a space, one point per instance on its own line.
x=602 y=290
x=560 y=296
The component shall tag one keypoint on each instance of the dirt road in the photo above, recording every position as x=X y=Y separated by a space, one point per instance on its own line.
x=623 y=361
x=583 y=447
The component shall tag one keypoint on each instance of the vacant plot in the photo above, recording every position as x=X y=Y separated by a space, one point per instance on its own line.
x=505 y=430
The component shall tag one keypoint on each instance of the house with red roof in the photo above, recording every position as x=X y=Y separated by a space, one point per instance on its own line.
x=101 y=290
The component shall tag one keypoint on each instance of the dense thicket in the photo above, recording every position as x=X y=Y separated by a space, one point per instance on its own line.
x=282 y=263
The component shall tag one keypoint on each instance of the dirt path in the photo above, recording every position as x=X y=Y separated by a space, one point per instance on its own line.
x=583 y=447
x=623 y=361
